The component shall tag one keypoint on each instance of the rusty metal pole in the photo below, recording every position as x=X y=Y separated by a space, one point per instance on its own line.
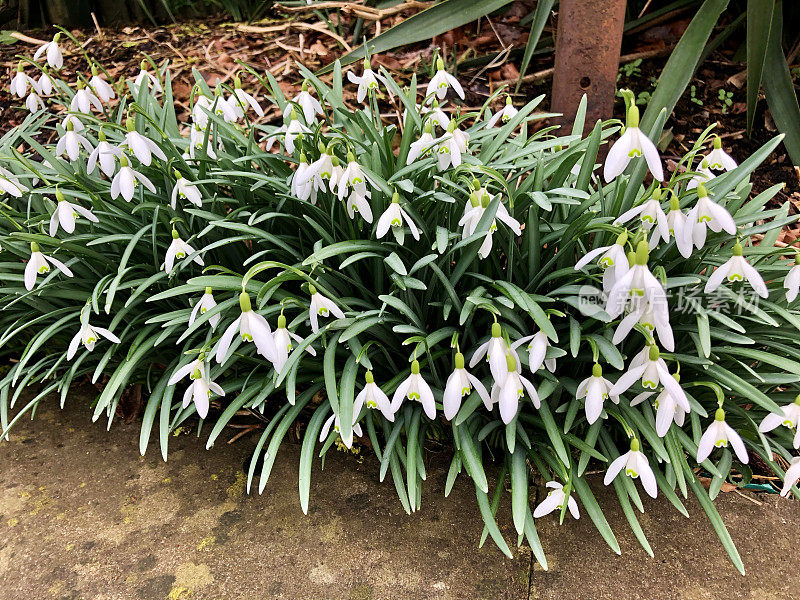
x=588 y=42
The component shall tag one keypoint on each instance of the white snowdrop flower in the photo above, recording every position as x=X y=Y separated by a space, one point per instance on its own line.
x=595 y=389
x=334 y=421
x=737 y=269
x=71 y=141
x=650 y=214
x=218 y=106
x=20 y=82
x=368 y=81
x=668 y=408
x=718 y=435
x=65 y=214
x=791 y=477
x=792 y=281
x=702 y=176
x=252 y=327
x=452 y=147
x=201 y=387
x=359 y=204
x=125 y=181
x=45 y=83
x=308 y=105
x=473 y=216
x=676 y=220
x=394 y=216
x=435 y=115
x=240 y=100
x=495 y=350
x=302 y=185
x=179 y=250
x=283 y=344
x=706 y=214
x=537 y=350
x=631 y=144
x=652 y=371
x=653 y=315
x=84 y=100
x=505 y=115
x=105 y=155
x=423 y=146
x=147 y=78
x=719 y=159
x=507 y=391
x=352 y=178
x=459 y=384
x=636 y=465
x=321 y=170
x=637 y=285
x=320 y=306
x=197 y=141
x=612 y=259
x=10 y=184
x=185 y=190
x=415 y=388
x=205 y=304
x=101 y=88
x=555 y=501
x=39 y=264
x=790 y=418
x=295 y=129
x=88 y=336
x=52 y=52
x=33 y=102
x=373 y=397
x=143 y=148
x=442 y=81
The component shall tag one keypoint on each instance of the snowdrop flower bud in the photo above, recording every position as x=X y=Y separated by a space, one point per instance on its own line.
x=65 y=214
x=415 y=388
x=88 y=336
x=53 y=53
x=203 y=305
x=124 y=182
x=443 y=81
x=737 y=269
x=185 y=190
x=706 y=214
x=373 y=397
x=792 y=281
x=718 y=434
x=320 y=306
x=633 y=143
x=636 y=465
x=102 y=89
x=790 y=418
x=367 y=82
x=459 y=384
x=394 y=216
x=505 y=115
x=555 y=501
x=252 y=327
x=719 y=159
x=84 y=100
x=179 y=250
x=39 y=264
x=595 y=389
x=792 y=476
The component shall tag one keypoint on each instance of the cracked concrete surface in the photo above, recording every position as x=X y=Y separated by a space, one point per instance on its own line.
x=82 y=515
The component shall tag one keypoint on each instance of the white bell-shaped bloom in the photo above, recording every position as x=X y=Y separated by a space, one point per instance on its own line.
x=88 y=336
x=197 y=143
x=178 y=250
x=320 y=306
x=435 y=114
x=450 y=150
x=65 y=214
x=359 y=204
x=101 y=88
x=415 y=388
x=217 y=106
x=505 y=115
x=636 y=286
x=145 y=77
x=33 y=102
x=652 y=316
x=676 y=220
x=555 y=501
x=321 y=170
x=283 y=344
x=185 y=190
x=633 y=143
x=737 y=269
x=352 y=179
x=650 y=215
x=240 y=100
x=290 y=131
x=394 y=216
x=460 y=383
x=706 y=214
x=143 y=148
x=201 y=387
x=791 y=477
x=71 y=141
x=373 y=397
x=507 y=391
x=52 y=52
x=105 y=155
x=719 y=159
x=39 y=264
x=790 y=418
x=612 y=259
x=495 y=350
x=472 y=217
x=252 y=327
x=537 y=351
x=45 y=83
x=308 y=105
x=84 y=100
x=124 y=182
x=10 y=184
x=20 y=83
x=718 y=435
x=668 y=408
x=334 y=421
x=443 y=81
x=302 y=185
x=652 y=371
x=596 y=391
x=368 y=81
x=792 y=281
x=702 y=176
x=205 y=304
x=423 y=146
x=636 y=465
